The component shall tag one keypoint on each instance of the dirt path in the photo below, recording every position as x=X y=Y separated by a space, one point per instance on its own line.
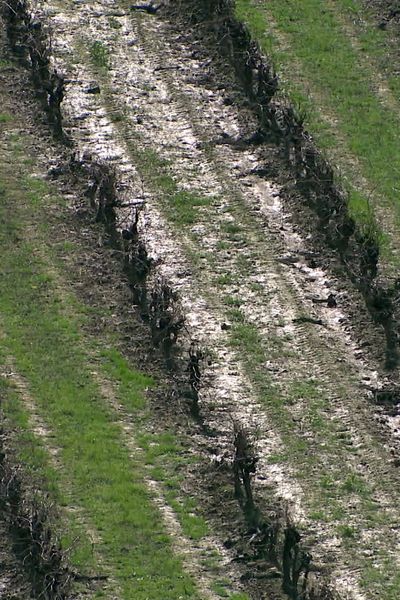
x=284 y=363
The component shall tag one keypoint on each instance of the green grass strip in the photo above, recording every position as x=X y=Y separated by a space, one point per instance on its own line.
x=331 y=66
x=46 y=343
x=374 y=43
x=31 y=452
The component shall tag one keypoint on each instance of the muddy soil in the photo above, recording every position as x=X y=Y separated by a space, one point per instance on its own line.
x=179 y=102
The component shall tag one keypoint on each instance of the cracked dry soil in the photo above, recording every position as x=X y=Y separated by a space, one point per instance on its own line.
x=171 y=99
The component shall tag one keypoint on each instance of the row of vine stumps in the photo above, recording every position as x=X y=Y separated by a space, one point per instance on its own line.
x=30 y=43
x=315 y=182
x=30 y=518
x=278 y=541
x=275 y=540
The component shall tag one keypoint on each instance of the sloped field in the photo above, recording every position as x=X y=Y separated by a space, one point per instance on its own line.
x=198 y=314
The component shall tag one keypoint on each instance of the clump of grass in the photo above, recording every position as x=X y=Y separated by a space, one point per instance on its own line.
x=236 y=315
x=233 y=301
x=225 y=279
x=317 y=515
x=328 y=483
x=222 y=245
x=231 y=229
x=347 y=532
x=117 y=116
x=5 y=118
x=354 y=485
x=5 y=63
x=99 y=54
x=193 y=525
x=221 y=588
x=114 y=23
x=185 y=207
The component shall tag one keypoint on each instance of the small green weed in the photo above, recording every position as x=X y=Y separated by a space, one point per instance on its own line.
x=222 y=245
x=5 y=118
x=327 y=482
x=346 y=532
x=317 y=515
x=233 y=301
x=225 y=279
x=114 y=23
x=231 y=228
x=276 y=459
x=99 y=54
x=4 y=63
x=185 y=207
x=354 y=485
x=221 y=588
x=236 y=315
